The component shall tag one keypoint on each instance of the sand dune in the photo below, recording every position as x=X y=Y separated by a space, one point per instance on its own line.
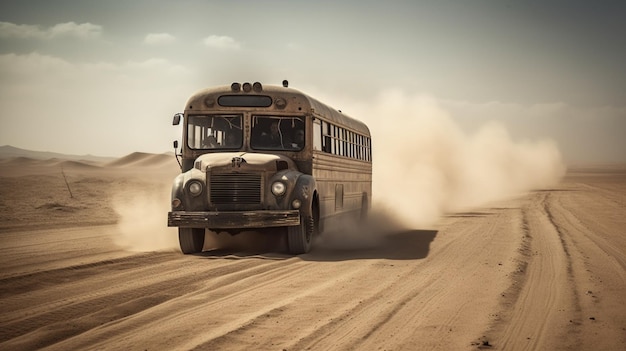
x=21 y=165
x=141 y=159
x=8 y=151
x=75 y=164
x=20 y=157
x=21 y=161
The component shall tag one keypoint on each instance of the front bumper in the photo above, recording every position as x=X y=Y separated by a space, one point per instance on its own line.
x=233 y=219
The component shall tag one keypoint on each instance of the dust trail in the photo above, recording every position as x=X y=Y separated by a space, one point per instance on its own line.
x=142 y=223
x=358 y=234
x=425 y=165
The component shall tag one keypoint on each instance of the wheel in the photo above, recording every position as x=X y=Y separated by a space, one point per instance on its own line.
x=191 y=240
x=300 y=237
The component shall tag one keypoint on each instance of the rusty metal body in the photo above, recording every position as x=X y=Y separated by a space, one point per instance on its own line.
x=267 y=157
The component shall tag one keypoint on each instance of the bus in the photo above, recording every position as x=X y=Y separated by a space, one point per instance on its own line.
x=270 y=159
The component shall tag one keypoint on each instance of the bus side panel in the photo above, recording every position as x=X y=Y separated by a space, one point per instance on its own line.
x=341 y=183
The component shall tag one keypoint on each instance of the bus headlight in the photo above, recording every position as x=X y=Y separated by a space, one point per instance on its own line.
x=278 y=188
x=195 y=188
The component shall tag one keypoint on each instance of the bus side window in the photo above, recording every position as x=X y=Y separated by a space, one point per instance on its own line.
x=335 y=135
x=327 y=141
x=317 y=135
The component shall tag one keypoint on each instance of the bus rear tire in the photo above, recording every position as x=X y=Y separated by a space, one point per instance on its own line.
x=300 y=237
x=191 y=240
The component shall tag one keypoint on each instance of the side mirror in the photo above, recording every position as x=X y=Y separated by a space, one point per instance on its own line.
x=177 y=118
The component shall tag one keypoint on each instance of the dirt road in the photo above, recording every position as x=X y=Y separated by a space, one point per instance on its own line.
x=545 y=271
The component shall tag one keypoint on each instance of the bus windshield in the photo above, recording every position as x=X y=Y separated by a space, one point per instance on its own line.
x=214 y=131
x=277 y=133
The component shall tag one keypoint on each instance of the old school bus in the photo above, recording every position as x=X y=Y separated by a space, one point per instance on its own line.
x=267 y=158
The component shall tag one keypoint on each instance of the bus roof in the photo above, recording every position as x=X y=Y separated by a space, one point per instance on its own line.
x=209 y=96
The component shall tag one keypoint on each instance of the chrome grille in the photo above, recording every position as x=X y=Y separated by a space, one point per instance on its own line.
x=235 y=188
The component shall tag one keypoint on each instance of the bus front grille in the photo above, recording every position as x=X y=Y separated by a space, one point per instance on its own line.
x=235 y=188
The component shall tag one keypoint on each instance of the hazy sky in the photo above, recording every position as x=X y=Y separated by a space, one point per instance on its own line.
x=105 y=77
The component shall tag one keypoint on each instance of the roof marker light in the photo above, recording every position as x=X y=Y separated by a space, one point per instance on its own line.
x=257 y=87
x=247 y=87
x=235 y=86
x=280 y=103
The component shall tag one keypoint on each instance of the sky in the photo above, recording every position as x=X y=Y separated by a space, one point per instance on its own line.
x=105 y=77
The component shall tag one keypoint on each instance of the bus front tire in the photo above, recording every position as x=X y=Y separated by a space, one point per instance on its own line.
x=300 y=237
x=191 y=240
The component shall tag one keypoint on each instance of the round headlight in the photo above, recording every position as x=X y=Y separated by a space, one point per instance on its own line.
x=278 y=188
x=195 y=188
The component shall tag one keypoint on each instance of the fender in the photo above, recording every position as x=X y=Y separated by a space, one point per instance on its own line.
x=304 y=191
x=178 y=191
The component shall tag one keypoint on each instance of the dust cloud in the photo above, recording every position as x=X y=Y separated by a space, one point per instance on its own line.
x=355 y=233
x=142 y=223
x=425 y=165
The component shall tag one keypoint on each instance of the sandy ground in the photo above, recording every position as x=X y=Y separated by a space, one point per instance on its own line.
x=544 y=271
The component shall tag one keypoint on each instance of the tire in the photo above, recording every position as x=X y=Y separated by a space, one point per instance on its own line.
x=300 y=237
x=191 y=240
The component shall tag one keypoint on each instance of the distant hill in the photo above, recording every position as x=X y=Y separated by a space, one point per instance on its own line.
x=8 y=151
x=16 y=157
x=21 y=161
x=141 y=159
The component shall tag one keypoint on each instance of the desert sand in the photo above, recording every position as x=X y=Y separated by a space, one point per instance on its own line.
x=88 y=263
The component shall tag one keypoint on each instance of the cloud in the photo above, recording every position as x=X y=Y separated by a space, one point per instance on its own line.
x=159 y=38
x=34 y=70
x=221 y=42
x=68 y=29
x=101 y=108
x=12 y=30
x=83 y=30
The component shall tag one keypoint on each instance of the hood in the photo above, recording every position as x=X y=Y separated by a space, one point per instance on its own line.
x=243 y=161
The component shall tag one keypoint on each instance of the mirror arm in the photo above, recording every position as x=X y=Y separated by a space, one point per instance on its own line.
x=177 y=154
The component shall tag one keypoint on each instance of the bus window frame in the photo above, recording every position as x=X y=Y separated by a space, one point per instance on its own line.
x=256 y=136
x=196 y=139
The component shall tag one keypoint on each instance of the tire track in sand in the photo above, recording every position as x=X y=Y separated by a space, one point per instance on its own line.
x=219 y=307
x=599 y=268
x=87 y=297
x=540 y=304
x=420 y=304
